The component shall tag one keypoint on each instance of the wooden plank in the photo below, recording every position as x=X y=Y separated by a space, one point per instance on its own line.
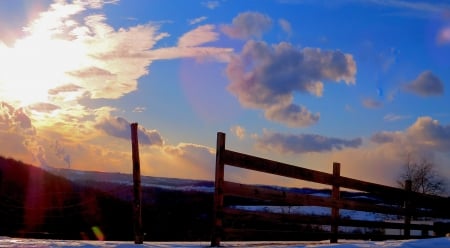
x=407 y=229
x=335 y=196
x=271 y=197
x=218 y=191
x=250 y=162
x=137 y=190
x=381 y=224
x=247 y=215
x=370 y=236
x=269 y=166
x=418 y=205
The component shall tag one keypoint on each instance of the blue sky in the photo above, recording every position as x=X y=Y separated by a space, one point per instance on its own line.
x=364 y=83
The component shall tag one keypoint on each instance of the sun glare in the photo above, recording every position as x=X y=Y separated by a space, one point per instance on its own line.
x=36 y=64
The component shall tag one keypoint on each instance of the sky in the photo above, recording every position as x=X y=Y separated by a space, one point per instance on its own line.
x=363 y=83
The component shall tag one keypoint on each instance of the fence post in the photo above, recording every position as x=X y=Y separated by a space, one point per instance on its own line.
x=137 y=191
x=407 y=229
x=218 y=191
x=335 y=195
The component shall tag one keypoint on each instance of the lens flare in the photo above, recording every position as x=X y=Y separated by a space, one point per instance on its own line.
x=98 y=233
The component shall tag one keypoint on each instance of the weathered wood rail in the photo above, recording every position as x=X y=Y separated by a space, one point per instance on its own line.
x=230 y=222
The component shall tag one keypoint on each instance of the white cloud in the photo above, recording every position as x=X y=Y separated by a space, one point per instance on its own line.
x=139 y=109
x=248 y=25
x=83 y=51
x=238 y=131
x=87 y=58
x=197 y=20
x=285 y=25
x=426 y=135
x=199 y=36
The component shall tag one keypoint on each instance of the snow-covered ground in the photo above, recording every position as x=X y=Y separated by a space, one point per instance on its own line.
x=28 y=243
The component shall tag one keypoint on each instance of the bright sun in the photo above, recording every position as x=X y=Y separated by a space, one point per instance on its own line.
x=36 y=64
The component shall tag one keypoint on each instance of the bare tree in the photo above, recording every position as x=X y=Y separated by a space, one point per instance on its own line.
x=423 y=175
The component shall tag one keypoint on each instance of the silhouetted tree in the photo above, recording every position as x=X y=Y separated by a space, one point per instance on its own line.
x=423 y=175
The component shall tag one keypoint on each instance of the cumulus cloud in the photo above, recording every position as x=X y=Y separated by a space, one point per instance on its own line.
x=292 y=115
x=15 y=119
x=200 y=35
x=18 y=131
x=426 y=84
x=303 y=143
x=238 y=131
x=425 y=134
x=120 y=128
x=248 y=25
x=193 y=152
x=266 y=77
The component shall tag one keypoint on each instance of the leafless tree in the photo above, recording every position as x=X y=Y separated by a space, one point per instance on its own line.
x=423 y=175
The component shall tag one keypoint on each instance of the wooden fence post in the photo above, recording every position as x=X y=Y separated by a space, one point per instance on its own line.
x=335 y=195
x=407 y=229
x=218 y=191
x=137 y=191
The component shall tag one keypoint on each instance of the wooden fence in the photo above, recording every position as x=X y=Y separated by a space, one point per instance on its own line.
x=230 y=222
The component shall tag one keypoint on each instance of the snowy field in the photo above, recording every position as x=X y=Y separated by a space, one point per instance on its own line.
x=28 y=243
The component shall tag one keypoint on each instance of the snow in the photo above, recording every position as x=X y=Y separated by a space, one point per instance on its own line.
x=315 y=211
x=35 y=243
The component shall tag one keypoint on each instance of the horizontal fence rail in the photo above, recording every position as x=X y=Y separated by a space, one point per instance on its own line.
x=236 y=223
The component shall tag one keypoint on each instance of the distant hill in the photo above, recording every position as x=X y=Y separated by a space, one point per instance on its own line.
x=71 y=204
x=95 y=205
x=36 y=203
